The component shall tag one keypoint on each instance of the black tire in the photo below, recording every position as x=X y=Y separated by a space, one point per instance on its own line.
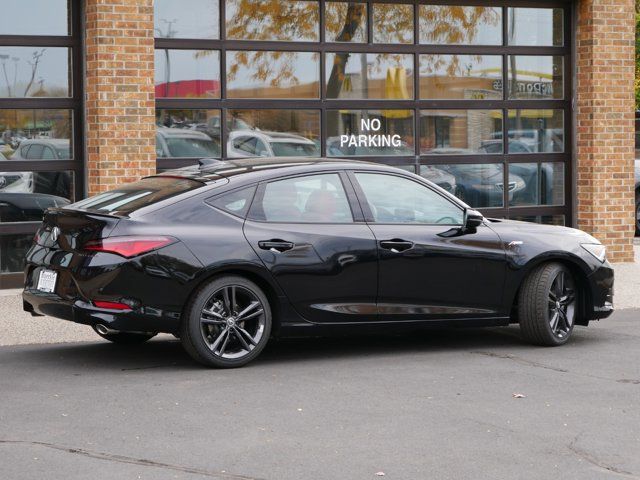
x=207 y=316
x=539 y=300
x=126 y=338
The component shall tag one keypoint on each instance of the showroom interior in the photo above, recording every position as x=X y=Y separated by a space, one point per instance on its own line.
x=522 y=109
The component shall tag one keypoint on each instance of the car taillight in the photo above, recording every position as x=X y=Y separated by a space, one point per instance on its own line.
x=128 y=247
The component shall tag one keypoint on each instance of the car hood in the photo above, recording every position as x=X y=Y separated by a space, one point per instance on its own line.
x=561 y=235
x=525 y=241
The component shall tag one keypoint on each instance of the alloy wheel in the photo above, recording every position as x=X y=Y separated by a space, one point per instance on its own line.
x=232 y=322
x=562 y=304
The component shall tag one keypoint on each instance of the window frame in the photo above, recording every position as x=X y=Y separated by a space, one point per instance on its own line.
x=73 y=40
x=323 y=104
x=368 y=214
x=354 y=205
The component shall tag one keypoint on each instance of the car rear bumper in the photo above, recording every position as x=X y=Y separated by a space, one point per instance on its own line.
x=78 y=311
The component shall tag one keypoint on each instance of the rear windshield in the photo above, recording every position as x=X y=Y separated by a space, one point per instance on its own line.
x=134 y=196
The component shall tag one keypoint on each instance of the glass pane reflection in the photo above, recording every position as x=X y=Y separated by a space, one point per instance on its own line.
x=460 y=25
x=24 y=196
x=535 y=77
x=35 y=134
x=370 y=132
x=35 y=72
x=461 y=77
x=35 y=17
x=536 y=131
x=187 y=133
x=369 y=75
x=460 y=132
x=392 y=23
x=187 y=73
x=544 y=183
x=273 y=133
x=187 y=19
x=346 y=22
x=481 y=185
x=290 y=20
x=13 y=249
x=541 y=27
x=263 y=74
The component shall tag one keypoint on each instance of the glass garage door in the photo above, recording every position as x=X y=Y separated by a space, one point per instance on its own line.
x=40 y=121
x=473 y=96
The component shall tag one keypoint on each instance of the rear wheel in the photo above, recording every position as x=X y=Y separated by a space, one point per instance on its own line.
x=547 y=305
x=227 y=323
x=126 y=338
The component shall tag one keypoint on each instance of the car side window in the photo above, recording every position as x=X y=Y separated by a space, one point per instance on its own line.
x=261 y=148
x=35 y=152
x=245 y=144
x=394 y=199
x=236 y=203
x=48 y=154
x=310 y=199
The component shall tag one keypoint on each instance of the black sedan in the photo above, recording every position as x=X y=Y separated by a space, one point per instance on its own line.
x=233 y=253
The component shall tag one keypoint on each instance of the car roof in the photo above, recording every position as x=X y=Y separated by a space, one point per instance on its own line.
x=272 y=136
x=259 y=168
x=52 y=142
x=181 y=132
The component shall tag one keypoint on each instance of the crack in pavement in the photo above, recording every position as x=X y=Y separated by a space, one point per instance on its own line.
x=593 y=460
x=532 y=363
x=130 y=460
x=520 y=360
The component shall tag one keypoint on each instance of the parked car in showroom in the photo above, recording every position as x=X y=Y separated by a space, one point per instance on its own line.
x=184 y=143
x=256 y=143
x=53 y=182
x=230 y=254
x=482 y=185
x=438 y=176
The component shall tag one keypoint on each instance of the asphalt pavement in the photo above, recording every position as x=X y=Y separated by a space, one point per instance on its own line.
x=454 y=404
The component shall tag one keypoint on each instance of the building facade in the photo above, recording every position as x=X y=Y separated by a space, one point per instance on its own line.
x=523 y=109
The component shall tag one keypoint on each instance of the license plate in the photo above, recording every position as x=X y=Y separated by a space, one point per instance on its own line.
x=47 y=281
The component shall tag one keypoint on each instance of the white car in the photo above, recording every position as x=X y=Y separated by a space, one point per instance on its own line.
x=182 y=142
x=253 y=143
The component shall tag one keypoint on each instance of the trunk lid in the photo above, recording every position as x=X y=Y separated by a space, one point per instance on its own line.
x=69 y=230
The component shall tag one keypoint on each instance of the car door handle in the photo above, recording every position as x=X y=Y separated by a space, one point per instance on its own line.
x=396 y=245
x=275 y=245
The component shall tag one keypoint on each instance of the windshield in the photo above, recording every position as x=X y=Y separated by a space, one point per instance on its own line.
x=134 y=196
x=192 y=147
x=289 y=149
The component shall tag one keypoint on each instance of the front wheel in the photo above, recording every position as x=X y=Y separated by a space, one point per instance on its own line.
x=547 y=305
x=227 y=323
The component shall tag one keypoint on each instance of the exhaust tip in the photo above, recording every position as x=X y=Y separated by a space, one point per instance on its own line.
x=103 y=330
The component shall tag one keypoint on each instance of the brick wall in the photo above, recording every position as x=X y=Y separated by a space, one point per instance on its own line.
x=605 y=113
x=120 y=115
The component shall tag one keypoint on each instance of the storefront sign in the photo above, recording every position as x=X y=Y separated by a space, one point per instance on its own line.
x=539 y=88
x=370 y=139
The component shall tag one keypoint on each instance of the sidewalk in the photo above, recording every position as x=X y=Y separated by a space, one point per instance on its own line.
x=18 y=327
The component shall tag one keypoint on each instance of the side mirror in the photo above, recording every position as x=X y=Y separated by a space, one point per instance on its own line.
x=472 y=219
